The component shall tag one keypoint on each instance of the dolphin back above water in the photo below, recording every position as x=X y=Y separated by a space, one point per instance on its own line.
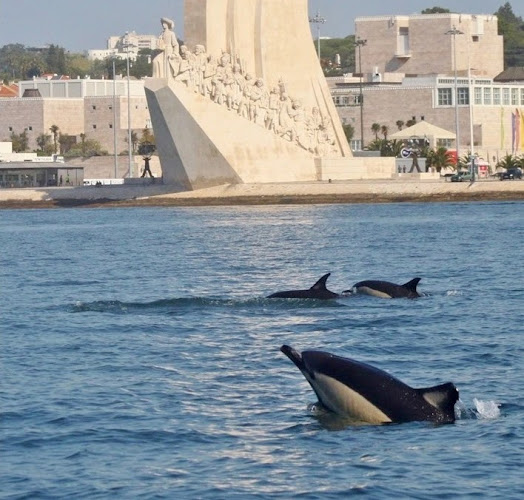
x=386 y=290
x=364 y=393
x=317 y=291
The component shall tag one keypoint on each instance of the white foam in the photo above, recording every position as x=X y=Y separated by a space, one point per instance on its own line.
x=487 y=409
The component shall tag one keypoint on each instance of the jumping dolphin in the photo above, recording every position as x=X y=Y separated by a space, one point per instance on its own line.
x=364 y=393
x=317 y=291
x=385 y=289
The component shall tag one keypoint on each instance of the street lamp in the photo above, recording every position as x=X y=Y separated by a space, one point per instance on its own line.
x=127 y=45
x=114 y=120
x=360 y=43
x=454 y=32
x=318 y=20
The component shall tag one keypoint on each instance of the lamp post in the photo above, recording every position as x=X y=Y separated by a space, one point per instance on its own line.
x=318 y=20
x=114 y=120
x=454 y=32
x=360 y=43
x=471 y=135
x=127 y=45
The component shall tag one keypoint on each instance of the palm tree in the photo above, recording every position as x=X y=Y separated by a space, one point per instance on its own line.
x=54 y=130
x=375 y=128
x=83 y=139
x=385 y=130
x=399 y=124
x=439 y=159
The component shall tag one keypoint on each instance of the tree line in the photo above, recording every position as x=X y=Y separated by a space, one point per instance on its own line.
x=18 y=62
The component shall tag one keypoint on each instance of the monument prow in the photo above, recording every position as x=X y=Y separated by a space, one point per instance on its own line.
x=245 y=99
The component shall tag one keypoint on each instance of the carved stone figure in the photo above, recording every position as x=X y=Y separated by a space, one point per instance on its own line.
x=165 y=64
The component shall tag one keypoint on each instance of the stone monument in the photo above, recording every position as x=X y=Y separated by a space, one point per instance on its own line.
x=244 y=100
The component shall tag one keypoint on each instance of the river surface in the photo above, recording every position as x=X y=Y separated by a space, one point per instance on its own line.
x=140 y=357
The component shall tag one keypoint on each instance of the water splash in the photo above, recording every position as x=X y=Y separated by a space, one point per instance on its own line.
x=487 y=409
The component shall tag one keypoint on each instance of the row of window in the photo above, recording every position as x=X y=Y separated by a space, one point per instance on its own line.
x=487 y=96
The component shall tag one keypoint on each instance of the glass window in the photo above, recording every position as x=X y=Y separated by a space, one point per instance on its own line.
x=478 y=96
x=487 y=96
x=444 y=97
x=515 y=97
x=505 y=97
x=522 y=97
x=463 y=96
x=496 y=96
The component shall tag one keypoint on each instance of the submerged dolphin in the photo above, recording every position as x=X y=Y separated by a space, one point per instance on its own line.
x=385 y=289
x=317 y=291
x=365 y=393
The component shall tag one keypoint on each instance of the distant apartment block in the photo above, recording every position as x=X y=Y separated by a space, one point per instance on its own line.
x=120 y=46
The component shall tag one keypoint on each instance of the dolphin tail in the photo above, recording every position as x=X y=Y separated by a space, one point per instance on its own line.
x=294 y=356
x=443 y=397
x=412 y=285
x=321 y=283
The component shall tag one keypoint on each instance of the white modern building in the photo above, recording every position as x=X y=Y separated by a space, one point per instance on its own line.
x=120 y=46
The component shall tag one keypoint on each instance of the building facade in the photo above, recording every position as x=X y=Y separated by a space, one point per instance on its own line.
x=121 y=45
x=97 y=108
x=409 y=66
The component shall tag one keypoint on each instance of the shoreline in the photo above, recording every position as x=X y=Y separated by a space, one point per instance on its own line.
x=338 y=192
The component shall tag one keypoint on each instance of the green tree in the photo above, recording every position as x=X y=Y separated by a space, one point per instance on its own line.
x=55 y=131
x=43 y=141
x=400 y=124
x=385 y=131
x=20 y=142
x=349 y=131
x=67 y=142
x=375 y=128
x=435 y=10
x=439 y=159
x=512 y=28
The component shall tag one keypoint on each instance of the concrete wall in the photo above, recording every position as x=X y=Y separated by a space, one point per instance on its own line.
x=431 y=50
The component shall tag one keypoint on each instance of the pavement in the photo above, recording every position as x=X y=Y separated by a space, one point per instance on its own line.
x=361 y=191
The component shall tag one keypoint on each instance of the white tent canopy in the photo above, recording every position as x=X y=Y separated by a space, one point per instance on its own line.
x=423 y=130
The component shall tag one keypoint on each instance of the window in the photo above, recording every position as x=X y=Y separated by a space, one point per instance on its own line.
x=496 y=96
x=94 y=126
x=522 y=97
x=110 y=107
x=94 y=107
x=487 y=96
x=110 y=125
x=463 y=96
x=10 y=129
x=444 y=97
x=505 y=97
x=478 y=96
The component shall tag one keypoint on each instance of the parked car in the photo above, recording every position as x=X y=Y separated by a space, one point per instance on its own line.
x=464 y=176
x=511 y=173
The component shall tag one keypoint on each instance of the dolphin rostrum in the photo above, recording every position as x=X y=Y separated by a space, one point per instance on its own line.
x=385 y=289
x=364 y=393
x=317 y=291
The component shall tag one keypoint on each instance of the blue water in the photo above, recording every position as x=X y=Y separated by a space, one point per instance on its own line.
x=140 y=359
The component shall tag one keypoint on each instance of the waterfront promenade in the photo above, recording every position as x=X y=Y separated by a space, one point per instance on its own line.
x=362 y=191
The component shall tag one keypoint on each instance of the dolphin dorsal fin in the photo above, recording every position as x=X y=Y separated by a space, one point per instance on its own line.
x=412 y=285
x=321 y=283
x=442 y=397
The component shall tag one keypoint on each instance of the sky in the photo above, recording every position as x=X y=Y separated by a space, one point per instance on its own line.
x=81 y=25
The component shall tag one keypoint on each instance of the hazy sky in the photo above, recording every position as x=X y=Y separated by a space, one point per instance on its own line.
x=87 y=24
